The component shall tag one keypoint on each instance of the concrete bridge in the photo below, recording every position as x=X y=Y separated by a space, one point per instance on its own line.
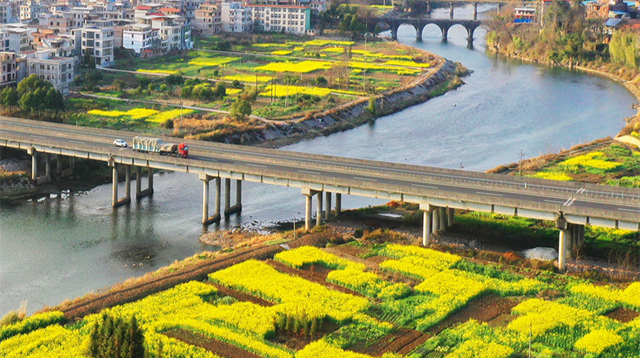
x=439 y=192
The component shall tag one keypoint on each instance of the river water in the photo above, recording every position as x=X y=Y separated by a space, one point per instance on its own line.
x=65 y=245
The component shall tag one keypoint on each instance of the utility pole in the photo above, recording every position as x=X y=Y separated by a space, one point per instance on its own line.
x=364 y=70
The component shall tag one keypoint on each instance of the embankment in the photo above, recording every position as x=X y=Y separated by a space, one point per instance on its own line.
x=353 y=114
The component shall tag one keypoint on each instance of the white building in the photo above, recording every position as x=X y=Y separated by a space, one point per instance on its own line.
x=60 y=71
x=292 y=19
x=8 y=68
x=97 y=42
x=140 y=38
x=235 y=17
x=174 y=35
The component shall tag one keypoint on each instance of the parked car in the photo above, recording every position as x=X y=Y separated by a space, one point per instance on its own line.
x=120 y=143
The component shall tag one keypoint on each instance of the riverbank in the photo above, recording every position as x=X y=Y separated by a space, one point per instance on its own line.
x=446 y=77
x=633 y=85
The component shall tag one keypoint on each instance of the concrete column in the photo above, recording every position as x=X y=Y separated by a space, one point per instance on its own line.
x=426 y=227
x=443 y=219
x=450 y=216
x=451 y=10
x=227 y=193
x=127 y=181
x=150 y=181
x=206 y=219
x=205 y=200
x=59 y=165
x=569 y=241
x=475 y=11
x=34 y=166
x=239 y=194
x=138 y=181
x=319 y=209
x=562 y=250
x=435 y=220
x=499 y=7
x=218 y=196
x=47 y=167
x=338 y=203
x=419 y=33
x=307 y=212
x=327 y=211
x=114 y=190
x=394 y=33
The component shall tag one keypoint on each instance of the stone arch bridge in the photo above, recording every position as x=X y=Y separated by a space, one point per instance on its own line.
x=419 y=24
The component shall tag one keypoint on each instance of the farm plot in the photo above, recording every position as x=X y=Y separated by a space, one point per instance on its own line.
x=255 y=309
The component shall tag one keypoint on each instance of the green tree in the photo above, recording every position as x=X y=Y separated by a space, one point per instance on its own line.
x=623 y=48
x=240 y=109
x=118 y=84
x=114 y=337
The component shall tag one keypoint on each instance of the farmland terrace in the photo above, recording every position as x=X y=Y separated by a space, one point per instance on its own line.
x=438 y=191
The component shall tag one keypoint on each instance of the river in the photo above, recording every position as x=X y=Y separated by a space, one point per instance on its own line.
x=65 y=245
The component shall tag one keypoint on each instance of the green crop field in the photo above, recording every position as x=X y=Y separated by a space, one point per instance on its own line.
x=399 y=301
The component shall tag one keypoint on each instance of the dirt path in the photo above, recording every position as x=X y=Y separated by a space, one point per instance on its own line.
x=220 y=348
x=241 y=296
x=402 y=341
x=483 y=309
x=76 y=311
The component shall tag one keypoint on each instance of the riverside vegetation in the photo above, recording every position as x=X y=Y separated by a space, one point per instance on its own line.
x=374 y=296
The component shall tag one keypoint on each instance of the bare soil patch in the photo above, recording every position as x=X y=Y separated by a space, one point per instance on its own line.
x=623 y=315
x=298 y=341
x=220 y=348
x=483 y=309
x=241 y=296
x=315 y=273
x=402 y=341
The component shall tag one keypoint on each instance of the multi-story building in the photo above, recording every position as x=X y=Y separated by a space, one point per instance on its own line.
x=97 y=42
x=9 y=12
x=30 y=10
x=207 y=19
x=174 y=35
x=235 y=17
x=292 y=19
x=19 y=39
x=8 y=67
x=190 y=8
x=60 y=71
x=140 y=38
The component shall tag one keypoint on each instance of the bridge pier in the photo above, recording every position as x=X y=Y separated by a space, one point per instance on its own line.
x=443 y=219
x=237 y=208
x=450 y=217
x=435 y=219
x=475 y=11
x=149 y=190
x=307 y=211
x=394 y=32
x=451 y=10
x=426 y=223
x=445 y=33
x=327 y=211
x=35 y=178
x=319 y=209
x=206 y=219
x=563 y=226
x=338 y=204
x=499 y=7
x=115 y=202
x=470 y=31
